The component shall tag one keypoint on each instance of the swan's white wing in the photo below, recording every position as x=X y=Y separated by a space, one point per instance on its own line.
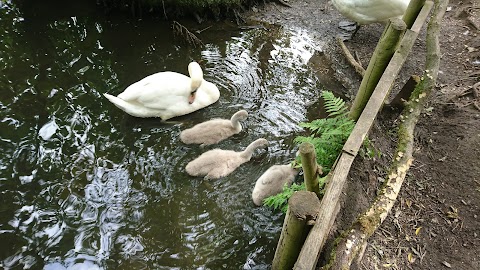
x=157 y=87
x=383 y=9
x=371 y=11
x=165 y=102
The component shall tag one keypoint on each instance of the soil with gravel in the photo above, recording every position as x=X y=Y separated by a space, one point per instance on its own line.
x=435 y=223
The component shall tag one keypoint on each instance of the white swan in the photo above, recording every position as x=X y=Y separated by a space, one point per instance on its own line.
x=371 y=11
x=167 y=94
x=218 y=163
x=272 y=181
x=214 y=131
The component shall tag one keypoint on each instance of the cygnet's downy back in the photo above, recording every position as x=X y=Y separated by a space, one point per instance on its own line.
x=214 y=131
x=218 y=163
x=272 y=182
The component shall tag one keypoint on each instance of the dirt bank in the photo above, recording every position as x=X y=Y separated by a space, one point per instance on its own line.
x=435 y=222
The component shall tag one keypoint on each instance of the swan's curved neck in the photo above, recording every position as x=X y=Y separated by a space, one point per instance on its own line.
x=236 y=123
x=196 y=74
x=195 y=84
x=248 y=152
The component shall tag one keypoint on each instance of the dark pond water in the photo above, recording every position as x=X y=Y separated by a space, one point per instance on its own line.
x=85 y=186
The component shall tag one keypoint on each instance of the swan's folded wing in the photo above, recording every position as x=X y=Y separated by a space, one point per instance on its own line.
x=163 y=102
x=157 y=86
x=376 y=10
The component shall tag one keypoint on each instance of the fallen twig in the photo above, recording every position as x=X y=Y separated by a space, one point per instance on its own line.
x=357 y=66
x=181 y=30
x=476 y=90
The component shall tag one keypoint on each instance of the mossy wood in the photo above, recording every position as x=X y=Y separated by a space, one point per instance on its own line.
x=310 y=167
x=302 y=211
x=316 y=239
x=352 y=244
x=403 y=95
x=381 y=57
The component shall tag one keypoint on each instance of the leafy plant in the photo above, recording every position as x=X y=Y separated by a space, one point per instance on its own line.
x=280 y=200
x=329 y=134
x=328 y=137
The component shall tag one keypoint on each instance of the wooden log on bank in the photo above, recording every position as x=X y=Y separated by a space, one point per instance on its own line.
x=308 y=257
x=302 y=211
x=353 y=244
x=311 y=170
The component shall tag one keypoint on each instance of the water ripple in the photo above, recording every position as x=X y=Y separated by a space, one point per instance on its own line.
x=85 y=186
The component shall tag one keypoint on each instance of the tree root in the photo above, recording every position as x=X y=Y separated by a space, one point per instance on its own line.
x=351 y=60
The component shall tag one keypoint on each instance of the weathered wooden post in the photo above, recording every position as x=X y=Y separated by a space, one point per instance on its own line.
x=310 y=167
x=381 y=57
x=302 y=211
x=412 y=12
x=384 y=51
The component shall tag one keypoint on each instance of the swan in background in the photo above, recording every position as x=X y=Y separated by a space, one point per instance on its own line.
x=370 y=11
x=272 y=182
x=167 y=94
x=214 y=131
x=218 y=163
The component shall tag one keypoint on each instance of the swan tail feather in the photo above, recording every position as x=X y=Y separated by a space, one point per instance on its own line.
x=120 y=103
x=129 y=108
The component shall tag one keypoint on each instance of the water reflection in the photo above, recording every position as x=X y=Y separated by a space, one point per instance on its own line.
x=85 y=186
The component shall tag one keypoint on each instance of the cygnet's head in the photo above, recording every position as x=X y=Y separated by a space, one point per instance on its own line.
x=260 y=143
x=240 y=115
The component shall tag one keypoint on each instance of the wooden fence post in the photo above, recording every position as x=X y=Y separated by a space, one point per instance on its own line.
x=302 y=211
x=381 y=56
x=310 y=167
x=412 y=11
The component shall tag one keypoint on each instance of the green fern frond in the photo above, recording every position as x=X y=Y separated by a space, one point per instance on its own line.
x=314 y=125
x=280 y=201
x=334 y=105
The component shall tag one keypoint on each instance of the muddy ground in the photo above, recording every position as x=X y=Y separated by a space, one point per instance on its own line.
x=435 y=223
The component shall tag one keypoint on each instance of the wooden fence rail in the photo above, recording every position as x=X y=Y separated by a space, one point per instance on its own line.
x=329 y=206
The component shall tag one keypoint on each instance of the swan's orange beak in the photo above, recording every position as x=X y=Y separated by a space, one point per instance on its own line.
x=191 y=97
